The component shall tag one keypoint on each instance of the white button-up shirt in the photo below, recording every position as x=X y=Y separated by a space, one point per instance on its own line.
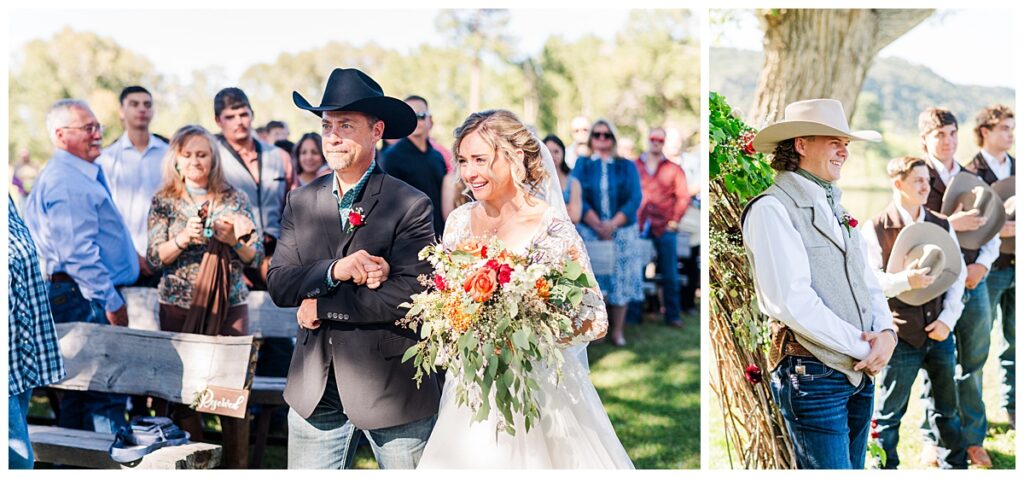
x=896 y=284
x=945 y=174
x=784 y=279
x=1001 y=169
x=133 y=178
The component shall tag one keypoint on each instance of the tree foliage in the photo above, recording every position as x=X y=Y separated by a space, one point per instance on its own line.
x=647 y=75
x=70 y=65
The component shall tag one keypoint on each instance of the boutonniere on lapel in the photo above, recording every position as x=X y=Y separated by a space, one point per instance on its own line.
x=355 y=219
x=849 y=222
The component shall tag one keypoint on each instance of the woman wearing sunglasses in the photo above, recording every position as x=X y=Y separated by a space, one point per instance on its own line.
x=611 y=196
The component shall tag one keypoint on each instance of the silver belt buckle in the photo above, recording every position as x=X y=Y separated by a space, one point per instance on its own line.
x=800 y=369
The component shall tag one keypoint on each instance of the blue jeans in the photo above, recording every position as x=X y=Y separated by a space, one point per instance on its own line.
x=327 y=440
x=938 y=359
x=1002 y=292
x=973 y=336
x=827 y=417
x=19 y=447
x=94 y=411
x=668 y=266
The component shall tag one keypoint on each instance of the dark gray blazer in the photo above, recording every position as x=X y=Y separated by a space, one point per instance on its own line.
x=357 y=332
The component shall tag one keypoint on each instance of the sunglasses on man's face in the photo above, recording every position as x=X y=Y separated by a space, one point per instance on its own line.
x=601 y=135
x=655 y=139
x=422 y=116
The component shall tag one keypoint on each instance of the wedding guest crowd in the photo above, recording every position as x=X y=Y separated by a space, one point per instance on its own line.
x=144 y=211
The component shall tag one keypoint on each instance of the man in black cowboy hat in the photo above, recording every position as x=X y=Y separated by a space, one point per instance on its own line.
x=347 y=257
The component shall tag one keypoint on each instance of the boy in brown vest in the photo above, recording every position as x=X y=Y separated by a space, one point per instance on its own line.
x=924 y=333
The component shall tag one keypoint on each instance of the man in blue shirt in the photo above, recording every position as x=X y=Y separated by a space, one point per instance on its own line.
x=85 y=247
x=133 y=168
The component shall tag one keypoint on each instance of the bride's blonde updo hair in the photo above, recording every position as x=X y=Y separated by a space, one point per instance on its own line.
x=503 y=131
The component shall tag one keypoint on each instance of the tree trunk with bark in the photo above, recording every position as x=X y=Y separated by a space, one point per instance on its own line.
x=812 y=53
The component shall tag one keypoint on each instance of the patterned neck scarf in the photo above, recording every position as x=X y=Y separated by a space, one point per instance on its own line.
x=827 y=186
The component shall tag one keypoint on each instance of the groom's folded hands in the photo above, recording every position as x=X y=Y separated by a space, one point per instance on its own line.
x=361 y=268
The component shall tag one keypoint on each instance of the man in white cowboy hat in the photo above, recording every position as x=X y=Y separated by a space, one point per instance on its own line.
x=921 y=271
x=811 y=275
x=939 y=137
x=348 y=257
x=993 y=134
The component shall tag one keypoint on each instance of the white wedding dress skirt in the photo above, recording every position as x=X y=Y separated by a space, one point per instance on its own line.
x=573 y=430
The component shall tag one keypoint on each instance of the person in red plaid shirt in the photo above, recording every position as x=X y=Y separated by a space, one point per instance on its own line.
x=666 y=198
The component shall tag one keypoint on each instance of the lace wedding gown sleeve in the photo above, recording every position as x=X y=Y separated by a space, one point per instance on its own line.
x=560 y=239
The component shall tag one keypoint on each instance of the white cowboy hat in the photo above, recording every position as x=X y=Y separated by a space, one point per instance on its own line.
x=924 y=244
x=810 y=118
x=1007 y=191
x=970 y=191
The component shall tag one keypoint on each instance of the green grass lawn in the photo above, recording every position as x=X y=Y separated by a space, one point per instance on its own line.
x=1000 y=441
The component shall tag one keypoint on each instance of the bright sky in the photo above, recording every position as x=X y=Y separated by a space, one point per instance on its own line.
x=181 y=41
x=971 y=47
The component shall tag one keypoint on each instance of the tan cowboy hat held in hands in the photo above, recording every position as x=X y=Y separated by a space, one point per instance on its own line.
x=1007 y=191
x=971 y=192
x=822 y=117
x=923 y=245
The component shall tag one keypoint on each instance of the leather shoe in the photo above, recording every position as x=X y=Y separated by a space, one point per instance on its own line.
x=979 y=457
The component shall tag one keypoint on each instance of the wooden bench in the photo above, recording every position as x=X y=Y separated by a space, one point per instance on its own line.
x=172 y=366
x=266 y=320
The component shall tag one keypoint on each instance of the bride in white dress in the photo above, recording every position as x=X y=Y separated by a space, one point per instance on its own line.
x=519 y=201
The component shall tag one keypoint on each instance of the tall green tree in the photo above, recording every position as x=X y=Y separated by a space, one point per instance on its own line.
x=484 y=33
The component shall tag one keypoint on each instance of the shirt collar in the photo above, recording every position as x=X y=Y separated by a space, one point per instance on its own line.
x=124 y=143
x=941 y=168
x=815 y=189
x=904 y=214
x=994 y=163
x=90 y=170
x=351 y=194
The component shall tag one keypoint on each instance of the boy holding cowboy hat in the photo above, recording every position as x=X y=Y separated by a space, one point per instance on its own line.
x=916 y=257
x=812 y=276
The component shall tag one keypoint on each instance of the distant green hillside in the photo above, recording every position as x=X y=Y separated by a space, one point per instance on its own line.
x=896 y=89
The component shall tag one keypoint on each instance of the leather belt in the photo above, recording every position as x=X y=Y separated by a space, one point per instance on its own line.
x=792 y=347
x=784 y=343
x=61 y=277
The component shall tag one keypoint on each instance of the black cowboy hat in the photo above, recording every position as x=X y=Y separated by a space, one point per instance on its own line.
x=349 y=89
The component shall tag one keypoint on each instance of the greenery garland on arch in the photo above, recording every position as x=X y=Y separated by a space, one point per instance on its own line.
x=754 y=430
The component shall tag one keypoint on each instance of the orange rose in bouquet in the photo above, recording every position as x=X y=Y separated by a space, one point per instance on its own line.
x=481 y=284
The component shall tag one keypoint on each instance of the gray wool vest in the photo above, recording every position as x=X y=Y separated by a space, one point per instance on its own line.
x=837 y=268
x=267 y=196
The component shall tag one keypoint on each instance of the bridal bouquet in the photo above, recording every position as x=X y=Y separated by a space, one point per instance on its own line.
x=491 y=316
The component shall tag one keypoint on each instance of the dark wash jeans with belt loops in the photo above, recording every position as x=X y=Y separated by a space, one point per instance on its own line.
x=827 y=417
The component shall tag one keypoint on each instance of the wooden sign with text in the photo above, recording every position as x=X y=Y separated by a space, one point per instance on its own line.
x=222 y=401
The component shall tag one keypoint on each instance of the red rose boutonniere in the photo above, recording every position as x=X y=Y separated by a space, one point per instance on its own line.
x=849 y=222
x=747 y=142
x=355 y=219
